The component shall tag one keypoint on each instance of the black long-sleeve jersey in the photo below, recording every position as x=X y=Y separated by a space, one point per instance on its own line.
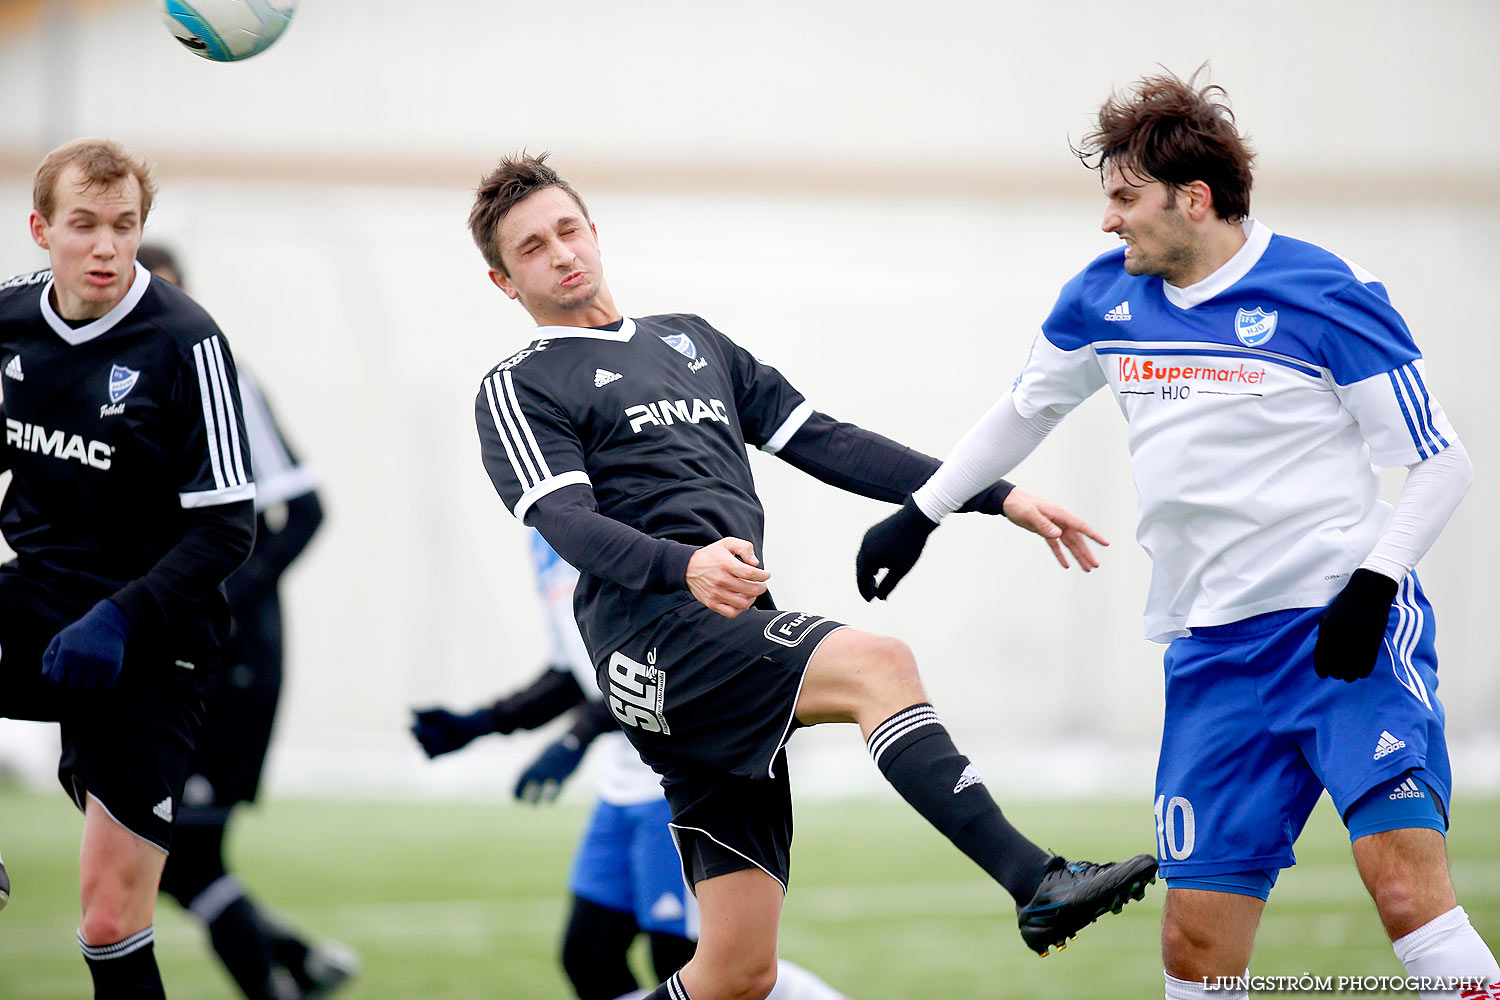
x=131 y=470
x=281 y=478
x=627 y=448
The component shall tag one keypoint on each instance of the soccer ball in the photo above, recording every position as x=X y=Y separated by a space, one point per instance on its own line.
x=227 y=30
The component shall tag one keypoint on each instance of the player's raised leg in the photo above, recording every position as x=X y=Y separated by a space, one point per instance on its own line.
x=873 y=681
x=119 y=872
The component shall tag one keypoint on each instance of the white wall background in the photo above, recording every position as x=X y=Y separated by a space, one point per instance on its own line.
x=878 y=197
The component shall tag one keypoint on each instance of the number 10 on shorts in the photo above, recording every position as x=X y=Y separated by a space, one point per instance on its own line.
x=1174 y=828
x=637 y=692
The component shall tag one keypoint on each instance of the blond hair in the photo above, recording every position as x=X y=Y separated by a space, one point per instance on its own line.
x=101 y=161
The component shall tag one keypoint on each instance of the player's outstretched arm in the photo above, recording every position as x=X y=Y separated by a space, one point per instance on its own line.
x=726 y=576
x=889 y=550
x=441 y=731
x=863 y=462
x=543 y=778
x=1060 y=528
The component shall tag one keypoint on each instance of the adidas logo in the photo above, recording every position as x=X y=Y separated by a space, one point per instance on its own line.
x=667 y=907
x=603 y=378
x=164 y=809
x=13 y=369
x=1120 y=313
x=1407 y=790
x=1387 y=745
x=969 y=777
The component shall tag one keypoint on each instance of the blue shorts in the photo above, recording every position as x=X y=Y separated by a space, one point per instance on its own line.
x=1252 y=735
x=628 y=862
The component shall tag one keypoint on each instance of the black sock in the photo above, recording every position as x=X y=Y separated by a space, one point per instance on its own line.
x=916 y=755
x=239 y=939
x=292 y=952
x=670 y=952
x=124 y=970
x=669 y=990
x=594 y=951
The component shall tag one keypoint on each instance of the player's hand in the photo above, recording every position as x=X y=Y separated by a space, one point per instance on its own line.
x=544 y=778
x=726 y=576
x=1059 y=527
x=893 y=545
x=441 y=731
x=1353 y=626
x=88 y=654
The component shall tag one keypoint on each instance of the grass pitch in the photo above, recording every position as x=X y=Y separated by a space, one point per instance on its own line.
x=460 y=902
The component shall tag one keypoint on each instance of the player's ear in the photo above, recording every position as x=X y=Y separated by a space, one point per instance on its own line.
x=39 y=230
x=1200 y=200
x=503 y=283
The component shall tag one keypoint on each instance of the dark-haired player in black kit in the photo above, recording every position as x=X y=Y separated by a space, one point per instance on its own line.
x=130 y=501
x=623 y=441
x=266 y=959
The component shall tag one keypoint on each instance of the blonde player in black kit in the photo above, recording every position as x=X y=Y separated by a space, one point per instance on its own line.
x=130 y=502
x=623 y=441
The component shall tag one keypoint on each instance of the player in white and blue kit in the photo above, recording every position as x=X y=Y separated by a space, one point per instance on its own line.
x=1263 y=379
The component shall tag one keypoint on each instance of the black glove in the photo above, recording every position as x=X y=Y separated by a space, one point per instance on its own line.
x=1353 y=627
x=892 y=545
x=541 y=781
x=441 y=731
x=88 y=654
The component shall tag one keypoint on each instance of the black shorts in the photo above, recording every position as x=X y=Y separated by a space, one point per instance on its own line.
x=241 y=708
x=708 y=703
x=127 y=747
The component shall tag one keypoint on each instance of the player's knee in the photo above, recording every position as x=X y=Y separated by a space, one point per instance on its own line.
x=754 y=981
x=892 y=663
x=740 y=975
x=1184 y=947
x=1400 y=898
x=104 y=924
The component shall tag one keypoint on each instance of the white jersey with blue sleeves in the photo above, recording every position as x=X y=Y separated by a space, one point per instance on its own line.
x=1259 y=401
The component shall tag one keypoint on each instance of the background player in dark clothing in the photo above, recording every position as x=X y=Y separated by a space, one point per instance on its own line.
x=623 y=441
x=266 y=960
x=130 y=502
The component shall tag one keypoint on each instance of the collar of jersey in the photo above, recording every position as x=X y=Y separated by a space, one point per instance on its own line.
x=624 y=333
x=1257 y=238
x=104 y=323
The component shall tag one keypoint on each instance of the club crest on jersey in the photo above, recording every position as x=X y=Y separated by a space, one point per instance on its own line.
x=1254 y=326
x=121 y=381
x=682 y=344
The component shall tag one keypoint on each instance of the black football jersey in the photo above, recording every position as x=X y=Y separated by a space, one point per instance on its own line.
x=655 y=418
x=112 y=431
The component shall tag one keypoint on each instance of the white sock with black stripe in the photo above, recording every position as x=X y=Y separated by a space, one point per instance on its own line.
x=124 y=969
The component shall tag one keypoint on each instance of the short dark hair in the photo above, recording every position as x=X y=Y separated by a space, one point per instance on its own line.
x=155 y=257
x=1171 y=130
x=515 y=179
x=101 y=161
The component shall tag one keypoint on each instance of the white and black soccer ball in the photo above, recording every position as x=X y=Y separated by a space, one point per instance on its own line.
x=226 y=30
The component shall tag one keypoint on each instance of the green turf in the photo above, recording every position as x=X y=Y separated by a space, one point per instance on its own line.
x=452 y=902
